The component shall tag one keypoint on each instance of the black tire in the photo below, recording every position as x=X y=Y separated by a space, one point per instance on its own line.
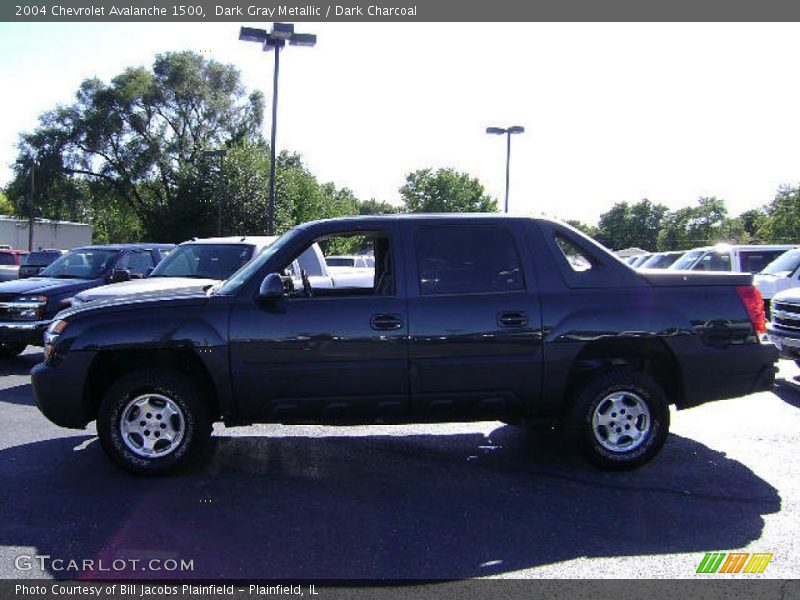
x=595 y=396
x=11 y=349
x=177 y=388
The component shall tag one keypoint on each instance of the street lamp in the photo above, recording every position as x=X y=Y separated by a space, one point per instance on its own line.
x=275 y=39
x=32 y=162
x=509 y=131
x=220 y=184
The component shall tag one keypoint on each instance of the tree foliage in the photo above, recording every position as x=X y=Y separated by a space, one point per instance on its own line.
x=445 y=190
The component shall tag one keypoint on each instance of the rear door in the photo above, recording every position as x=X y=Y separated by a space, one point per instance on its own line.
x=475 y=343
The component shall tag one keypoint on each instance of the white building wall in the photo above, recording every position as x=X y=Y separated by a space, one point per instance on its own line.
x=46 y=234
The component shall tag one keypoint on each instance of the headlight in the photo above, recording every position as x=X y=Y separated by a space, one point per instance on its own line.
x=51 y=336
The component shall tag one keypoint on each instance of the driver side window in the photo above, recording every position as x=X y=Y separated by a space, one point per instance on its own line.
x=318 y=271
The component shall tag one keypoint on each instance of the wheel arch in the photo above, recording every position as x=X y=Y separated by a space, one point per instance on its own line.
x=649 y=355
x=109 y=365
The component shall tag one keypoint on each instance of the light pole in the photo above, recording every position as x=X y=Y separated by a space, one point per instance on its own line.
x=31 y=218
x=220 y=183
x=275 y=39
x=508 y=131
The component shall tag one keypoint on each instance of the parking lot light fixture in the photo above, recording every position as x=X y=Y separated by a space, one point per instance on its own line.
x=275 y=39
x=220 y=183
x=508 y=131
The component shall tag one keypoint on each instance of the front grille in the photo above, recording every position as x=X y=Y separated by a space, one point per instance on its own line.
x=786 y=316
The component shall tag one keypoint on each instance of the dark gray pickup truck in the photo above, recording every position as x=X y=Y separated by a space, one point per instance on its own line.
x=470 y=317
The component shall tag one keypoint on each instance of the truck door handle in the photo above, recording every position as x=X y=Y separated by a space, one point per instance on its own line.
x=385 y=322
x=512 y=318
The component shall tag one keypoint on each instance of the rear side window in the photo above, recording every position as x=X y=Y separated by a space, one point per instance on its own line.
x=6 y=258
x=755 y=261
x=467 y=260
x=714 y=261
x=578 y=260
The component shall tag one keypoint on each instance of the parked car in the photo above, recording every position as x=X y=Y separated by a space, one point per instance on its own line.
x=37 y=260
x=638 y=261
x=470 y=317
x=28 y=305
x=783 y=330
x=10 y=261
x=661 y=260
x=192 y=265
x=350 y=262
x=727 y=257
x=781 y=274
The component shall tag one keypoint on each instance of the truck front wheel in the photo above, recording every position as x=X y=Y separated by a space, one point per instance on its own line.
x=153 y=421
x=620 y=420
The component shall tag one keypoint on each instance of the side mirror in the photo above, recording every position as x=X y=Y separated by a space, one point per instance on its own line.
x=119 y=275
x=271 y=287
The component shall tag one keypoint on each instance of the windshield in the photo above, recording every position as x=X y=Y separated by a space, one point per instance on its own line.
x=660 y=261
x=687 y=260
x=786 y=263
x=238 y=279
x=204 y=261
x=81 y=263
x=40 y=259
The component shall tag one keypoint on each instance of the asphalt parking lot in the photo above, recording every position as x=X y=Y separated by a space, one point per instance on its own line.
x=433 y=502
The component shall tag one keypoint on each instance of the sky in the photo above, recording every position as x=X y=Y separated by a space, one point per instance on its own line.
x=612 y=112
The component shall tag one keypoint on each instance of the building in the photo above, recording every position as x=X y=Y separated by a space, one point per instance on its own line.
x=46 y=233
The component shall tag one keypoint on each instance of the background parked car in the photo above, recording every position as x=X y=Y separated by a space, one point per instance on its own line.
x=37 y=260
x=661 y=260
x=783 y=273
x=192 y=265
x=10 y=261
x=28 y=305
x=726 y=257
x=638 y=261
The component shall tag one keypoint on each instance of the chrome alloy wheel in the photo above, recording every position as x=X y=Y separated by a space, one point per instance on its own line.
x=152 y=425
x=621 y=421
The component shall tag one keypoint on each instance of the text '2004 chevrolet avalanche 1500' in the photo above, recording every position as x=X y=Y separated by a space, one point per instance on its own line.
x=468 y=318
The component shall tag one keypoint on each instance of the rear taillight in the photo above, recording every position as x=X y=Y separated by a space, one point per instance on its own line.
x=754 y=304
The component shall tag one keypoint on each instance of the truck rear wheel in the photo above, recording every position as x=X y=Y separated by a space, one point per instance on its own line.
x=10 y=349
x=620 y=420
x=153 y=421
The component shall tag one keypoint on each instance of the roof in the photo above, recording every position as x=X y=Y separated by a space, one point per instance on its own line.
x=254 y=240
x=142 y=246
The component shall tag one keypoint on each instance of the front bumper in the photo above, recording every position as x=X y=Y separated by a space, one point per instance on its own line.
x=788 y=344
x=58 y=390
x=23 y=332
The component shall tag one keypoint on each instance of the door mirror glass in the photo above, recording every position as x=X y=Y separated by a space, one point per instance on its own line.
x=119 y=275
x=271 y=287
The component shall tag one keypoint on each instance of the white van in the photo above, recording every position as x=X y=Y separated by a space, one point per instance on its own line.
x=730 y=257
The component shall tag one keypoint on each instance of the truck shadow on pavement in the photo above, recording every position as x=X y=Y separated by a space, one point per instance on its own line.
x=20 y=365
x=434 y=506
x=788 y=390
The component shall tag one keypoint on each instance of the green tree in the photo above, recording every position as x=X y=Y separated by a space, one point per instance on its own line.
x=142 y=134
x=445 y=190
x=781 y=221
x=693 y=226
x=6 y=206
x=376 y=207
x=634 y=225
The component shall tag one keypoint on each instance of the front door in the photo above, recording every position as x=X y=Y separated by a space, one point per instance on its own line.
x=334 y=351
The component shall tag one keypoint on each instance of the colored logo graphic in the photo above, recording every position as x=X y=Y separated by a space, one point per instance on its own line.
x=734 y=562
